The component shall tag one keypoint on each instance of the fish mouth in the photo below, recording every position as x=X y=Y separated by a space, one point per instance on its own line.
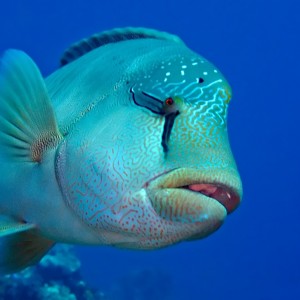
x=217 y=191
x=191 y=195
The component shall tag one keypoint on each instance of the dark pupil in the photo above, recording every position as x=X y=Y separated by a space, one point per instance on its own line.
x=169 y=101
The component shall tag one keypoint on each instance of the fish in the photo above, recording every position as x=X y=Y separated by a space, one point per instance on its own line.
x=125 y=144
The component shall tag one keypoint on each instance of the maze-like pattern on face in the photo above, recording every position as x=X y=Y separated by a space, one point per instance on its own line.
x=108 y=190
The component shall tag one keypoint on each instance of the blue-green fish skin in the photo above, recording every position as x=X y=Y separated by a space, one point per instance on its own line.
x=134 y=152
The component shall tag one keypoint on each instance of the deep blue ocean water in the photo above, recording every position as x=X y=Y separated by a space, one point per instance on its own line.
x=255 y=255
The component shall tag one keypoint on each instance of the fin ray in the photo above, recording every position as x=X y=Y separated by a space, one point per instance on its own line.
x=21 y=250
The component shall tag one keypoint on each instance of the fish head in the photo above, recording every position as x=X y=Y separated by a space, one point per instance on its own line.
x=153 y=166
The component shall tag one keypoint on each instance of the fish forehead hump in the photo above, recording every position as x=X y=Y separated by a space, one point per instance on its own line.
x=185 y=75
x=102 y=73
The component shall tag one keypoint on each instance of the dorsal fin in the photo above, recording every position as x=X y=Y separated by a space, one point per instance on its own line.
x=113 y=36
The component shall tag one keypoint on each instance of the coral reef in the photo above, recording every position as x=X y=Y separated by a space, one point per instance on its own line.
x=56 y=277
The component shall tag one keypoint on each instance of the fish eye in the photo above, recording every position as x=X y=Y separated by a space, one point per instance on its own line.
x=169 y=101
x=170 y=106
x=200 y=80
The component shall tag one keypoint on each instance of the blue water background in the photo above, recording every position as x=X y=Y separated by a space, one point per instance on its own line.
x=255 y=255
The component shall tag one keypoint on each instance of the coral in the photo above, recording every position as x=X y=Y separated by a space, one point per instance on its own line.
x=56 y=277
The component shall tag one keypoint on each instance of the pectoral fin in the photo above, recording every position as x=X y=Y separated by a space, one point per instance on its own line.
x=27 y=122
x=20 y=245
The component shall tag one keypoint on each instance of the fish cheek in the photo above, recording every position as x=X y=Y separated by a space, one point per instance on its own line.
x=77 y=176
x=96 y=189
x=104 y=186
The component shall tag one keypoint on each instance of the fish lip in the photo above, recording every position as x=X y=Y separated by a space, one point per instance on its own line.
x=158 y=176
x=232 y=200
x=226 y=180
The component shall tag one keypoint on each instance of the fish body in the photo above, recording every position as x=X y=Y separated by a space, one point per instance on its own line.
x=126 y=144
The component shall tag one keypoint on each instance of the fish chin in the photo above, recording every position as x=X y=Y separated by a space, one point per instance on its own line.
x=196 y=202
x=182 y=206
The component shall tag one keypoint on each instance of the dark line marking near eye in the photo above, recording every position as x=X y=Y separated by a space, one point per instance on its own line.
x=133 y=97
x=152 y=97
x=169 y=122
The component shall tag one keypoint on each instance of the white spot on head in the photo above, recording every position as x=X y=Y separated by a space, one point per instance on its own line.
x=162 y=67
x=184 y=67
x=168 y=74
x=215 y=71
x=141 y=84
x=169 y=63
x=182 y=73
x=202 y=61
x=165 y=80
x=204 y=73
x=194 y=63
